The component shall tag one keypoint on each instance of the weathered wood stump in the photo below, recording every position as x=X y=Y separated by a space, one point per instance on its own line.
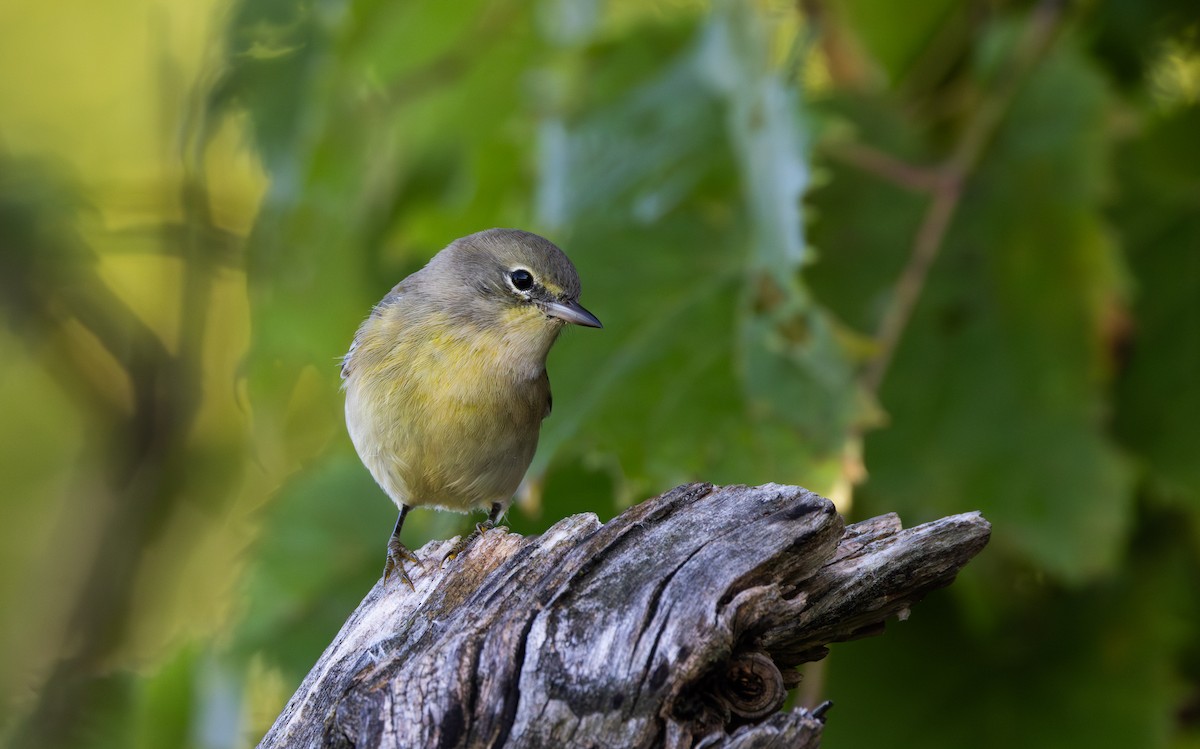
x=677 y=624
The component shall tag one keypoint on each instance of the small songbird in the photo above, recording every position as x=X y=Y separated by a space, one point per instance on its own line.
x=446 y=383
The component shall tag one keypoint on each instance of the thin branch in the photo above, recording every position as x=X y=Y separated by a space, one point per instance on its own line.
x=912 y=280
x=887 y=167
x=948 y=190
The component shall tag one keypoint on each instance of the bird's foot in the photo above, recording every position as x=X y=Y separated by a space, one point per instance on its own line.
x=397 y=555
x=461 y=545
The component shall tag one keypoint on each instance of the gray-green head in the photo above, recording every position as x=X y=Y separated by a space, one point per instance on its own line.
x=505 y=277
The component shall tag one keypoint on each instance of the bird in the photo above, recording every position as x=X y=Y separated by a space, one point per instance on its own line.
x=445 y=381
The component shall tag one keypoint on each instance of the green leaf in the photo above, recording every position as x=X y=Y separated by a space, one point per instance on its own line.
x=998 y=395
x=1087 y=668
x=321 y=548
x=714 y=313
x=1158 y=407
x=165 y=701
x=897 y=34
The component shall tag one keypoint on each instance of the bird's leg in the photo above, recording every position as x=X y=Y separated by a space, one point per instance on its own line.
x=398 y=553
x=491 y=522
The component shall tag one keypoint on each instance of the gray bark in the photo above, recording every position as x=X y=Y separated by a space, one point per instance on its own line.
x=679 y=623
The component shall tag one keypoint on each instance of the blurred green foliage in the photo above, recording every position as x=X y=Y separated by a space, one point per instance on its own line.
x=923 y=259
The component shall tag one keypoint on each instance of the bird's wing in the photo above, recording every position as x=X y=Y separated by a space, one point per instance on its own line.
x=376 y=311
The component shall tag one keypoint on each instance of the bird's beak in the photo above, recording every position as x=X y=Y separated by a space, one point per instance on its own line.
x=572 y=312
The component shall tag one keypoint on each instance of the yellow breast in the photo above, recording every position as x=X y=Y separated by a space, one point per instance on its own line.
x=444 y=417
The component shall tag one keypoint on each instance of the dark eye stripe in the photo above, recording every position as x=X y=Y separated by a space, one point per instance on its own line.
x=521 y=279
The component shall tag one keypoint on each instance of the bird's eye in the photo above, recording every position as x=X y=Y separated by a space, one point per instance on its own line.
x=521 y=279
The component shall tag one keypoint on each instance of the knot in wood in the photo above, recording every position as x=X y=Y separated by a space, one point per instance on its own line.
x=752 y=686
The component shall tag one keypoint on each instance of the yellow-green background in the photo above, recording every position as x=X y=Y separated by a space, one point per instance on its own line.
x=199 y=202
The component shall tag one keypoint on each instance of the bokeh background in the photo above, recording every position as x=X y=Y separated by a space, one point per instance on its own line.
x=921 y=257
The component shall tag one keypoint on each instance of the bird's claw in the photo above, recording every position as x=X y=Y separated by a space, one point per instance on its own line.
x=461 y=545
x=397 y=555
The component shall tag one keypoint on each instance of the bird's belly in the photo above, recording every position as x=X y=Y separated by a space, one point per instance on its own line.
x=446 y=440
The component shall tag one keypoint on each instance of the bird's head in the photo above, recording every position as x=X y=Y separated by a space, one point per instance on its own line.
x=511 y=282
